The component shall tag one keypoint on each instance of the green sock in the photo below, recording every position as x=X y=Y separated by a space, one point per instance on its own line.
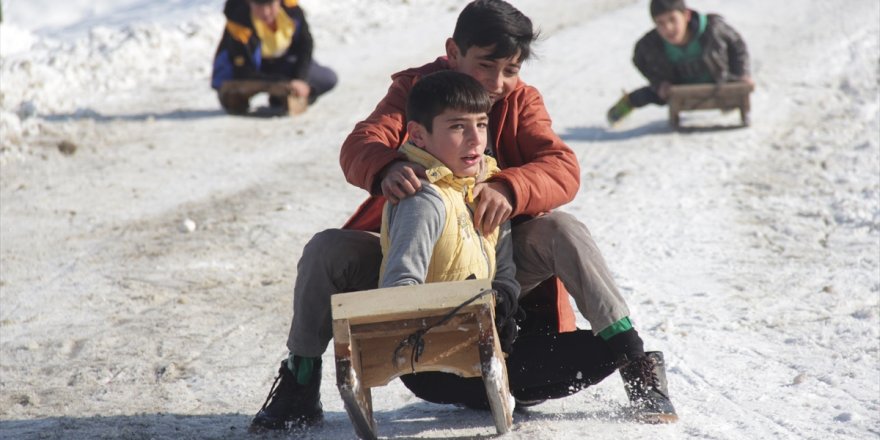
x=618 y=327
x=301 y=367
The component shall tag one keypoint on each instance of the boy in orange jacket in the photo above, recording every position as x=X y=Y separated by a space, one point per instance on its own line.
x=538 y=174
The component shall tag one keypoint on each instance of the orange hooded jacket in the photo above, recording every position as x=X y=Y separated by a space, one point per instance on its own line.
x=542 y=172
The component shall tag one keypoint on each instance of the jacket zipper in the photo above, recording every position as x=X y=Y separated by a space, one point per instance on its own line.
x=479 y=235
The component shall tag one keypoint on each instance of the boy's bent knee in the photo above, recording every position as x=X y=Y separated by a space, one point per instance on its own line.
x=560 y=224
x=233 y=103
x=324 y=238
x=342 y=244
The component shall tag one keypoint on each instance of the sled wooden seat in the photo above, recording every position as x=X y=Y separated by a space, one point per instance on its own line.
x=725 y=96
x=370 y=330
x=234 y=94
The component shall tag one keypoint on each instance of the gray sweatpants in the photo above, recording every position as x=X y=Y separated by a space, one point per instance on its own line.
x=337 y=260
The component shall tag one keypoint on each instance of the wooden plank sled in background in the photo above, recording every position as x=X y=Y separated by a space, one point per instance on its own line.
x=724 y=96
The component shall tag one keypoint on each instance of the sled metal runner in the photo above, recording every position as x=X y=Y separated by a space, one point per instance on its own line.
x=373 y=340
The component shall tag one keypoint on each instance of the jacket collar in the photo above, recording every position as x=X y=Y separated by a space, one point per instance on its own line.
x=438 y=173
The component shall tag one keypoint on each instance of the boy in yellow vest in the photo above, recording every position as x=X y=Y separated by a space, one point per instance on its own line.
x=431 y=236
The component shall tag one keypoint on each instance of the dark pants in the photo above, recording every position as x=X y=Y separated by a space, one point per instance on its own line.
x=644 y=96
x=542 y=366
x=339 y=260
x=321 y=79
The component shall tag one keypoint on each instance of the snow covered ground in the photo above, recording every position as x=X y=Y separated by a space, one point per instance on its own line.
x=751 y=257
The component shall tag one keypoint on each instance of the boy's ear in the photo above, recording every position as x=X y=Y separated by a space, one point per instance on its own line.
x=417 y=133
x=452 y=53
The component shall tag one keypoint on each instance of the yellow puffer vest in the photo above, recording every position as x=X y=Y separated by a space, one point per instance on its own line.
x=461 y=250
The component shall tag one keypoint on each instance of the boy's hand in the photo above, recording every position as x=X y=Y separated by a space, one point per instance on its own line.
x=300 y=88
x=401 y=180
x=494 y=205
x=506 y=310
x=663 y=90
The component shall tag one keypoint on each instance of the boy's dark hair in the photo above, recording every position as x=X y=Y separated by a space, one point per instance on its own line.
x=440 y=91
x=663 y=6
x=485 y=23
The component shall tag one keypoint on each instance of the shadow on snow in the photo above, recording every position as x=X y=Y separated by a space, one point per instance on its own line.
x=600 y=133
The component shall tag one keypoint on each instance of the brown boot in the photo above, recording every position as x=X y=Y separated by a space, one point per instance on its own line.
x=644 y=379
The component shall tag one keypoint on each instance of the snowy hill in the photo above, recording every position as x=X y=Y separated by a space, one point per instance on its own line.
x=750 y=257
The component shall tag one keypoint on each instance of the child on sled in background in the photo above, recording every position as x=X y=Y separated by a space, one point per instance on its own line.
x=685 y=47
x=267 y=47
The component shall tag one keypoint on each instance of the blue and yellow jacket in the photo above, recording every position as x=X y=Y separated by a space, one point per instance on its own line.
x=241 y=51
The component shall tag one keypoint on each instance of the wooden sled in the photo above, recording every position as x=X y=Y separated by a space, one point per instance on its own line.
x=373 y=334
x=725 y=96
x=235 y=94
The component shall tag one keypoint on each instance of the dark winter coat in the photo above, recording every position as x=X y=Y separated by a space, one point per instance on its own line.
x=239 y=54
x=725 y=55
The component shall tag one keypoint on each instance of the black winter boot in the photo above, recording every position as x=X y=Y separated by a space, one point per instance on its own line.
x=644 y=379
x=290 y=404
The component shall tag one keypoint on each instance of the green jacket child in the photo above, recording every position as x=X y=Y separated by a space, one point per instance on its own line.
x=685 y=47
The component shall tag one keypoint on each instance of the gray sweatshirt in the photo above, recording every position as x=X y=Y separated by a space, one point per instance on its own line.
x=414 y=226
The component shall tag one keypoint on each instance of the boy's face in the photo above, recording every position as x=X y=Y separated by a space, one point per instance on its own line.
x=672 y=26
x=265 y=11
x=498 y=76
x=457 y=138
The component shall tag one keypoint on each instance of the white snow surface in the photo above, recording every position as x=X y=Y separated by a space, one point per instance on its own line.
x=750 y=257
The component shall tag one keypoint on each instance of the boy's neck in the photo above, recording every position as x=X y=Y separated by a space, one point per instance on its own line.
x=692 y=29
x=688 y=36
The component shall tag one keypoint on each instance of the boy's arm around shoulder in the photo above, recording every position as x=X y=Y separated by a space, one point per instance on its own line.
x=372 y=145
x=414 y=225
x=547 y=174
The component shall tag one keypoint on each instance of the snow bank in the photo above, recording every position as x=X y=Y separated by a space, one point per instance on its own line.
x=748 y=256
x=61 y=73
x=86 y=51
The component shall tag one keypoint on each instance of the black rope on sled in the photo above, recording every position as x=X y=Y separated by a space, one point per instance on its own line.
x=415 y=340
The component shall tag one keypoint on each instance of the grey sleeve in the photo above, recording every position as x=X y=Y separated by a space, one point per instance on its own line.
x=414 y=226
x=505 y=273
